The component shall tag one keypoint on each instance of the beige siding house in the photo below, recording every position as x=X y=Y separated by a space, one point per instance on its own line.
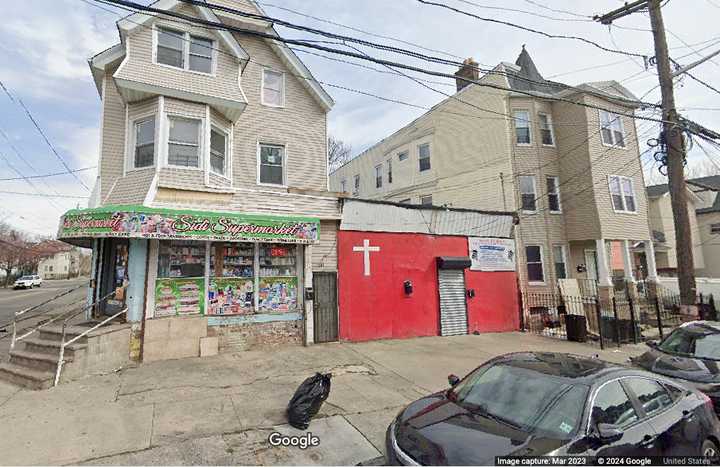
x=573 y=172
x=213 y=177
x=707 y=189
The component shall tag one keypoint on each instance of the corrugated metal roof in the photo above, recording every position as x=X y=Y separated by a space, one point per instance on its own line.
x=373 y=216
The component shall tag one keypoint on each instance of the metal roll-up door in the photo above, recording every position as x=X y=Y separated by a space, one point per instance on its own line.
x=453 y=311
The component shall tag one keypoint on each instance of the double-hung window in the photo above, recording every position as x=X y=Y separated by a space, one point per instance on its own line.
x=560 y=263
x=424 y=157
x=389 y=169
x=273 y=88
x=272 y=163
x=546 y=130
x=622 y=194
x=553 y=194
x=611 y=129
x=533 y=258
x=144 y=143
x=218 y=151
x=378 y=176
x=522 y=126
x=356 y=185
x=183 y=50
x=528 y=194
x=184 y=142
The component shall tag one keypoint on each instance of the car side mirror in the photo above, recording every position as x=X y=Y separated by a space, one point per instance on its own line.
x=609 y=433
x=651 y=344
x=453 y=380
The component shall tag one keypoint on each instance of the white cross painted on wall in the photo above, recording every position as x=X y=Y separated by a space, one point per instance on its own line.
x=366 y=249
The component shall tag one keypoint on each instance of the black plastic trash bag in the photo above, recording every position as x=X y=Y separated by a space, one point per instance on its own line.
x=308 y=399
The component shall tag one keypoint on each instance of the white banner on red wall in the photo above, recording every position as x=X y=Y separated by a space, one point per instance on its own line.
x=491 y=254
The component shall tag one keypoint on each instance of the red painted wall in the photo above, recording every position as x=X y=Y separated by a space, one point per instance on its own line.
x=376 y=307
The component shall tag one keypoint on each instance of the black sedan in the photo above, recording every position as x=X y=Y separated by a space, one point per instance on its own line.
x=534 y=404
x=690 y=353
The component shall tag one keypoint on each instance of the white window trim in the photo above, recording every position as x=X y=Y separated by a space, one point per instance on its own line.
x=622 y=127
x=186 y=50
x=228 y=152
x=542 y=263
x=262 y=88
x=429 y=158
x=552 y=129
x=284 y=164
x=530 y=135
x=130 y=152
x=534 y=180
x=556 y=179
x=201 y=142
x=378 y=169
x=622 y=194
x=563 y=249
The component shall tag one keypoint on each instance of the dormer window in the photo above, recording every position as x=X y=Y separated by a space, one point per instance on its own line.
x=183 y=50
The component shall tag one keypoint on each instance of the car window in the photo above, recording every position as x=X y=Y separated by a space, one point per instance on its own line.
x=25 y=278
x=613 y=406
x=675 y=392
x=651 y=394
x=553 y=411
x=698 y=341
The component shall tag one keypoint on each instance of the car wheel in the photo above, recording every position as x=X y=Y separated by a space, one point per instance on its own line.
x=709 y=449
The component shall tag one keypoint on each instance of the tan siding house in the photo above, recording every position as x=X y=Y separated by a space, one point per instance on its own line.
x=538 y=148
x=222 y=135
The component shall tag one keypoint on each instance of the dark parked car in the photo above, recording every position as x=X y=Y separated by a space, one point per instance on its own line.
x=532 y=404
x=690 y=353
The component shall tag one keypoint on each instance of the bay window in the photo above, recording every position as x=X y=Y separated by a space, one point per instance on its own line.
x=611 y=129
x=528 y=195
x=170 y=48
x=522 y=127
x=622 y=194
x=218 y=151
x=200 y=54
x=144 y=155
x=272 y=162
x=184 y=142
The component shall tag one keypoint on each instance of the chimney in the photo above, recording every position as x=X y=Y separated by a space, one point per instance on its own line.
x=469 y=70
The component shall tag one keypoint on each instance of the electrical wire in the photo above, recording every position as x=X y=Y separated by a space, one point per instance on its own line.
x=56 y=174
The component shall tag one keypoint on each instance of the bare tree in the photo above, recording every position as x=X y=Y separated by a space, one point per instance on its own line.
x=338 y=153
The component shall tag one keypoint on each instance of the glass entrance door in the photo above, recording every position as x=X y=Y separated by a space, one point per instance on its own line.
x=115 y=276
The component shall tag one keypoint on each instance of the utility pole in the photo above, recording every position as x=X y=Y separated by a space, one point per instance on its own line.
x=675 y=144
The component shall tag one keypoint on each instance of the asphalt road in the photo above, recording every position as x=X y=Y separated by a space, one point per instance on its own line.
x=16 y=300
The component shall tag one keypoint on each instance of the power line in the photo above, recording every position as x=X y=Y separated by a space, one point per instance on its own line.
x=517 y=10
x=29 y=182
x=44 y=195
x=193 y=20
x=570 y=13
x=56 y=174
x=42 y=133
x=535 y=31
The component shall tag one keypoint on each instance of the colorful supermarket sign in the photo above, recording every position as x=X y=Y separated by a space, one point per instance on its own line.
x=144 y=222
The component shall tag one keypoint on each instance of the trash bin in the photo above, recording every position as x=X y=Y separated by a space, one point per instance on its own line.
x=576 y=328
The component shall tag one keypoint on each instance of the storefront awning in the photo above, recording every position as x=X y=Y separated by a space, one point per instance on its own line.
x=80 y=225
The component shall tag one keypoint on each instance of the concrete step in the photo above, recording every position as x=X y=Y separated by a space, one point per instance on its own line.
x=37 y=345
x=36 y=361
x=54 y=333
x=25 y=377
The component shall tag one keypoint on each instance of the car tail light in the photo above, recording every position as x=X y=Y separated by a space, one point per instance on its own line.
x=708 y=401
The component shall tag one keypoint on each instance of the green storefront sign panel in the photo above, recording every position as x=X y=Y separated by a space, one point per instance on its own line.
x=144 y=222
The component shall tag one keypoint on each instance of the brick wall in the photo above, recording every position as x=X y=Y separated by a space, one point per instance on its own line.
x=251 y=336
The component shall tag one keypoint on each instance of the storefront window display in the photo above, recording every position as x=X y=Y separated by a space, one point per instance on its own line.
x=180 y=285
x=278 y=284
x=231 y=288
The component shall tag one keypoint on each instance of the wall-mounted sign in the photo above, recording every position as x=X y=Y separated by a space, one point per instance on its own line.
x=491 y=254
x=144 y=222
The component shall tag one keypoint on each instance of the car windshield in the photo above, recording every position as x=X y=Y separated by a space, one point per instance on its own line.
x=26 y=278
x=694 y=340
x=523 y=399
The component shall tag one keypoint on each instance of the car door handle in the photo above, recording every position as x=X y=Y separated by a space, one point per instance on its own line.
x=647 y=441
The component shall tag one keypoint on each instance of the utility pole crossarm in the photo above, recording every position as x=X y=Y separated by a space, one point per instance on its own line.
x=628 y=9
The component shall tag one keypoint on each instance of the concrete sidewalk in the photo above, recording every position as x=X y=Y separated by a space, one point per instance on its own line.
x=221 y=410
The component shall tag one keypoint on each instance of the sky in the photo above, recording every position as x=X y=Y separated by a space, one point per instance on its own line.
x=45 y=44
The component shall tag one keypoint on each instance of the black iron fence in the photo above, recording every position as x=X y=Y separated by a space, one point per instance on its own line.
x=623 y=319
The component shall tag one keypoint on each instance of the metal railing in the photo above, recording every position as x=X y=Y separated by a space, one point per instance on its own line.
x=20 y=313
x=63 y=344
